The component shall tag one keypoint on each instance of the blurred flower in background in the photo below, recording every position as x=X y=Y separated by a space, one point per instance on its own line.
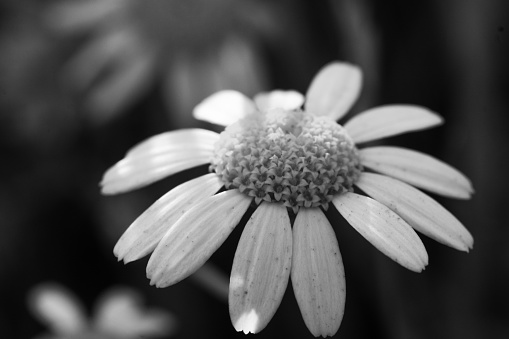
x=118 y=314
x=35 y=113
x=191 y=47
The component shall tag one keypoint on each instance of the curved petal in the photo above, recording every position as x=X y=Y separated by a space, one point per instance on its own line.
x=334 y=90
x=385 y=121
x=58 y=309
x=224 y=108
x=384 y=229
x=422 y=212
x=119 y=313
x=288 y=100
x=175 y=140
x=318 y=276
x=417 y=169
x=261 y=268
x=158 y=157
x=195 y=237
x=149 y=228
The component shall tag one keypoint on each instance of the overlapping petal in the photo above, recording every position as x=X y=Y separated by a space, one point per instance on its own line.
x=158 y=157
x=261 y=268
x=195 y=237
x=149 y=228
x=422 y=212
x=334 y=90
x=385 y=121
x=224 y=108
x=417 y=169
x=289 y=100
x=383 y=228
x=192 y=138
x=318 y=276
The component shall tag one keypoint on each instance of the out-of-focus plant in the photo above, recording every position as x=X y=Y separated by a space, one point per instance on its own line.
x=117 y=314
x=193 y=47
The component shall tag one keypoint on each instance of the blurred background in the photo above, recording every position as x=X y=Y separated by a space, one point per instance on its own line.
x=82 y=81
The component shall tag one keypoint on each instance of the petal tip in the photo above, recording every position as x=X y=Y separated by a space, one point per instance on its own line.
x=465 y=245
x=153 y=281
x=127 y=260
x=419 y=264
x=471 y=190
x=419 y=267
x=120 y=253
x=469 y=245
x=247 y=322
x=440 y=119
x=107 y=189
x=158 y=280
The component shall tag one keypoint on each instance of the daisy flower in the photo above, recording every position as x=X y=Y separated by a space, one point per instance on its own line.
x=191 y=48
x=291 y=164
x=118 y=314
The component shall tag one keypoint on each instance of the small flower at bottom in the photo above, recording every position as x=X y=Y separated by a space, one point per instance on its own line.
x=288 y=161
x=117 y=314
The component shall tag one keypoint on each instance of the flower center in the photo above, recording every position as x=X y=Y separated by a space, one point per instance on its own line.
x=290 y=156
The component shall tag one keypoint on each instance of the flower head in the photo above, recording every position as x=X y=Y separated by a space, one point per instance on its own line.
x=284 y=160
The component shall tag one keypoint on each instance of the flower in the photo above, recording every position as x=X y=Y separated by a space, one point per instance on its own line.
x=118 y=314
x=191 y=48
x=289 y=162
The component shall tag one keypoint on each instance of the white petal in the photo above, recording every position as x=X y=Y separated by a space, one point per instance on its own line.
x=195 y=237
x=422 y=212
x=119 y=313
x=132 y=173
x=288 y=100
x=224 y=108
x=385 y=121
x=175 y=140
x=384 y=229
x=261 y=268
x=417 y=169
x=318 y=276
x=149 y=228
x=334 y=90
x=156 y=158
x=58 y=309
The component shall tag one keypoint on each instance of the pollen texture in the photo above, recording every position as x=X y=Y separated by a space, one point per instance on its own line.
x=287 y=156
